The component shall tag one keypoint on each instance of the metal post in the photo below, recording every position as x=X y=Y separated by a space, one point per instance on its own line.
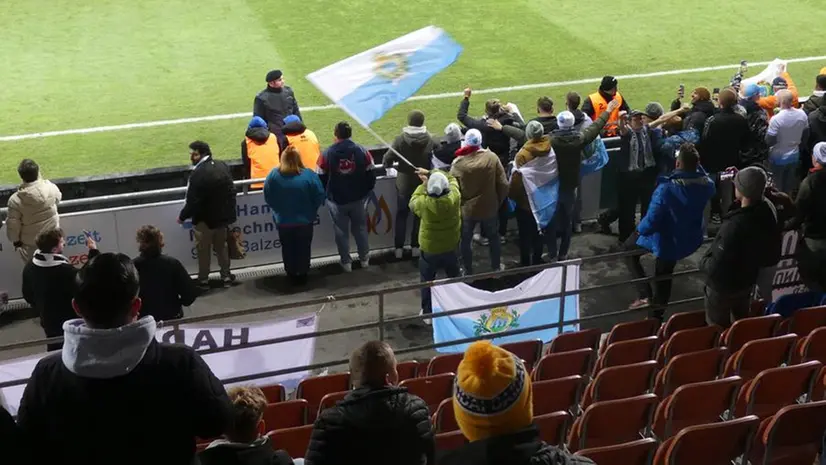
x=381 y=316
x=562 y=297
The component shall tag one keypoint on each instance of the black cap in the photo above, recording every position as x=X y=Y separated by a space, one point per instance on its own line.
x=608 y=83
x=274 y=75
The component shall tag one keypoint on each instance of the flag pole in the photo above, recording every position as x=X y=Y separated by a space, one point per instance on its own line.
x=389 y=147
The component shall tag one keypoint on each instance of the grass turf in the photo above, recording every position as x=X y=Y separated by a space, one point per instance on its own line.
x=113 y=62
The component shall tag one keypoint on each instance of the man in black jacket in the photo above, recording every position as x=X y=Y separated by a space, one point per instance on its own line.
x=165 y=283
x=377 y=423
x=49 y=283
x=810 y=217
x=210 y=204
x=748 y=240
x=115 y=394
x=275 y=103
x=816 y=99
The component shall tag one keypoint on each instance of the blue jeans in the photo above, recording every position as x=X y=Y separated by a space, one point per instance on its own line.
x=429 y=266
x=489 y=230
x=402 y=213
x=353 y=217
x=561 y=225
x=785 y=177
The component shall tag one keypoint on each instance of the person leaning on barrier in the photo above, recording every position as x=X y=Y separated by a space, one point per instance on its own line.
x=598 y=102
x=49 y=283
x=748 y=240
x=672 y=227
x=115 y=394
x=165 y=284
x=244 y=442
x=810 y=218
x=260 y=151
x=303 y=139
x=210 y=204
x=33 y=208
x=377 y=423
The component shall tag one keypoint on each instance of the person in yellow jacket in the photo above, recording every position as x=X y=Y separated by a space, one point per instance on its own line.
x=302 y=139
x=260 y=151
x=784 y=81
x=597 y=102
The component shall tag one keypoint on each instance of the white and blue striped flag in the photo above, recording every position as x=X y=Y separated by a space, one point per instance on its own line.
x=540 y=177
x=369 y=84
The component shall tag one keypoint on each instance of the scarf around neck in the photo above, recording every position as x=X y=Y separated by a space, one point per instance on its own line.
x=642 y=155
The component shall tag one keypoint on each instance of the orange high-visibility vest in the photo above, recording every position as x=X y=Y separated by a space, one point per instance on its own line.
x=308 y=146
x=263 y=158
x=600 y=104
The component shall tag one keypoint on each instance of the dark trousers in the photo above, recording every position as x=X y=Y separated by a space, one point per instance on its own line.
x=724 y=308
x=531 y=242
x=53 y=332
x=296 y=244
x=488 y=230
x=429 y=266
x=561 y=225
x=662 y=289
x=503 y=219
x=633 y=187
x=402 y=214
x=811 y=263
x=716 y=202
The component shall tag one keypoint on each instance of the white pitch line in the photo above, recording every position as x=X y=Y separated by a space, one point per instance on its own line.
x=493 y=90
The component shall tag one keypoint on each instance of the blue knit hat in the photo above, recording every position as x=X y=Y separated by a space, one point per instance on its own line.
x=292 y=119
x=751 y=90
x=257 y=122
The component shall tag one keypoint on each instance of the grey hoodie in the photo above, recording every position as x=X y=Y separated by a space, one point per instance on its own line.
x=106 y=353
x=415 y=144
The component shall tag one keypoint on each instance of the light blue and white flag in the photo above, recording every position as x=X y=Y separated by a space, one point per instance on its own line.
x=597 y=157
x=369 y=84
x=501 y=318
x=540 y=177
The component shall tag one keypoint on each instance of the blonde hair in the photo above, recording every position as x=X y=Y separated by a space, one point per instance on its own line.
x=290 y=162
x=248 y=405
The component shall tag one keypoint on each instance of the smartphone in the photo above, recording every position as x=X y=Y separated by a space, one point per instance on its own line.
x=716 y=94
x=681 y=91
x=744 y=67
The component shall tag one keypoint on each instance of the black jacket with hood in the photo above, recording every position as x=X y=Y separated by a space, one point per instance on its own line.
x=165 y=285
x=724 y=139
x=119 y=396
x=274 y=105
x=210 y=196
x=700 y=112
x=520 y=448
x=445 y=152
x=415 y=144
x=373 y=427
x=259 y=452
x=811 y=205
x=497 y=142
x=817 y=127
x=815 y=101
x=568 y=145
x=758 y=120
x=259 y=135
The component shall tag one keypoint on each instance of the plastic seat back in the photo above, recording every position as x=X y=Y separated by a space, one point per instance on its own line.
x=612 y=422
x=445 y=363
x=408 y=369
x=621 y=382
x=681 y=321
x=775 y=388
x=529 y=351
x=553 y=427
x=631 y=330
x=274 y=393
x=761 y=354
x=562 y=364
x=432 y=389
x=792 y=435
x=557 y=394
x=750 y=329
x=314 y=389
x=695 y=404
x=449 y=441
x=813 y=347
x=694 y=367
x=806 y=320
x=639 y=452
x=628 y=352
x=584 y=339
x=330 y=400
x=689 y=340
x=287 y=414
x=714 y=444
x=444 y=421
x=293 y=440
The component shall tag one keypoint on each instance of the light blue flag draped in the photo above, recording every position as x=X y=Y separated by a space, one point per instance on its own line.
x=540 y=177
x=500 y=318
x=597 y=157
x=369 y=84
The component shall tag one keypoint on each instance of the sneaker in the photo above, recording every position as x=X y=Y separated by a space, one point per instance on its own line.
x=203 y=284
x=604 y=225
x=347 y=267
x=480 y=240
x=227 y=282
x=639 y=303
x=415 y=252
x=365 y=262
x=716 y=218
x=503 y=240
x=577 y=228
x=425 y=320
x=399 y=254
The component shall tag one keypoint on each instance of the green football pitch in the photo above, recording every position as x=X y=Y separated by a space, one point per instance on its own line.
x=75 y=65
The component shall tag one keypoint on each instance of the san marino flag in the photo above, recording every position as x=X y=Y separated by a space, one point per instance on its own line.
x=500 y=318
x=369 y=84
x=541 y=179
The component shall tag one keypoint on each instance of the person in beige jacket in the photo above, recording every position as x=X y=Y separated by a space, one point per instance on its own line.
x=484 y=187
x=32 y=209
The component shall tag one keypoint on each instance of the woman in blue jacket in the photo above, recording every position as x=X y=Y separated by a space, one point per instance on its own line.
x=294 y=193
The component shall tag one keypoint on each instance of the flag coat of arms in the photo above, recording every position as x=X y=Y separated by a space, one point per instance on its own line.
x=500 y=318
x=540 y=177
x=369 y=84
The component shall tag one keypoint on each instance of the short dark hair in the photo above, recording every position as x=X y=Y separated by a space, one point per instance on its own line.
x=248 y=405
x=572 y=100
x=201 y=147
x=28 y=170
x=371 y=363
x=150 y=239
x=343 y=130
x=415 y=118
x=727 y=98
x=689 y=156
x=545 y=104
x=105 y=289
x=821 y=81
x=493 y=107
x=48 y=239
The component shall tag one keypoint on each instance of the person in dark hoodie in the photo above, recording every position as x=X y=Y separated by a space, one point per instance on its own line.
x=702 y=108
x=493 y=406
x=244 y=442
x=275 y=103
x=757 y=151
x=416 y=145
x=165 y=284
x=817 y=98
x=817 y=127
x=581 y=121
x=810 y=205
x=377 y=423
x=49 y=283
x=260 y=151
x=115 y=394
x=10 y=443
x=545 y=114
x=303 y=139
x=445 y=152
x=748 y=240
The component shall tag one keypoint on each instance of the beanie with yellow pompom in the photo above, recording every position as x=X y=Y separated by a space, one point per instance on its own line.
x=492 y=393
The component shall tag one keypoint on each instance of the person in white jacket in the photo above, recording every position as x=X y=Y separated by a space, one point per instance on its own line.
x=32 y=209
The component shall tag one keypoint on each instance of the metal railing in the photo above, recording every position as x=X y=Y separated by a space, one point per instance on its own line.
x=383 y=321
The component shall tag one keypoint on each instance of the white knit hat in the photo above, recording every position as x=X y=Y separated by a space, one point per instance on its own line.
x=437 y=184
x=819 y=152
x=565 y=120
x=473 y=138
x=453 y=133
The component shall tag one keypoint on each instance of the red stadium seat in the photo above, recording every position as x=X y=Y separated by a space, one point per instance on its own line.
x=432 y=389
x=612 y=422
x=812 y=347
x=287 y=414
x=689 y=340
x=330 y=400
x=639 y=452
x=621 y=382
x=313 y=389
x=760 y=354
x=690 y=368
x=749 y=329
x=557 y=394
x=775 y=388
x=631 y=330
x=695 y=404
x=714 y=444
x=447 y=363
x=443 y=420
x=628 y=352
x=408 y=369
x=274 y=393
x=293 y=440
x=792 y=436
x=449 y=441
x=584 y=339
x=562 y=364
x=529 y=351
x=804 y=321
x=681 y=321
x=553 y=427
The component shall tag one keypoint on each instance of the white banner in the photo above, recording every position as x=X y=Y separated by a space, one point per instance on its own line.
x=787 y=276
x=114 y=230
x=230 y=364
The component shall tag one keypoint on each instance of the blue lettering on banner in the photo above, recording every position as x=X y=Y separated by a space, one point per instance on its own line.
x=80 y=239
x=253 y=210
